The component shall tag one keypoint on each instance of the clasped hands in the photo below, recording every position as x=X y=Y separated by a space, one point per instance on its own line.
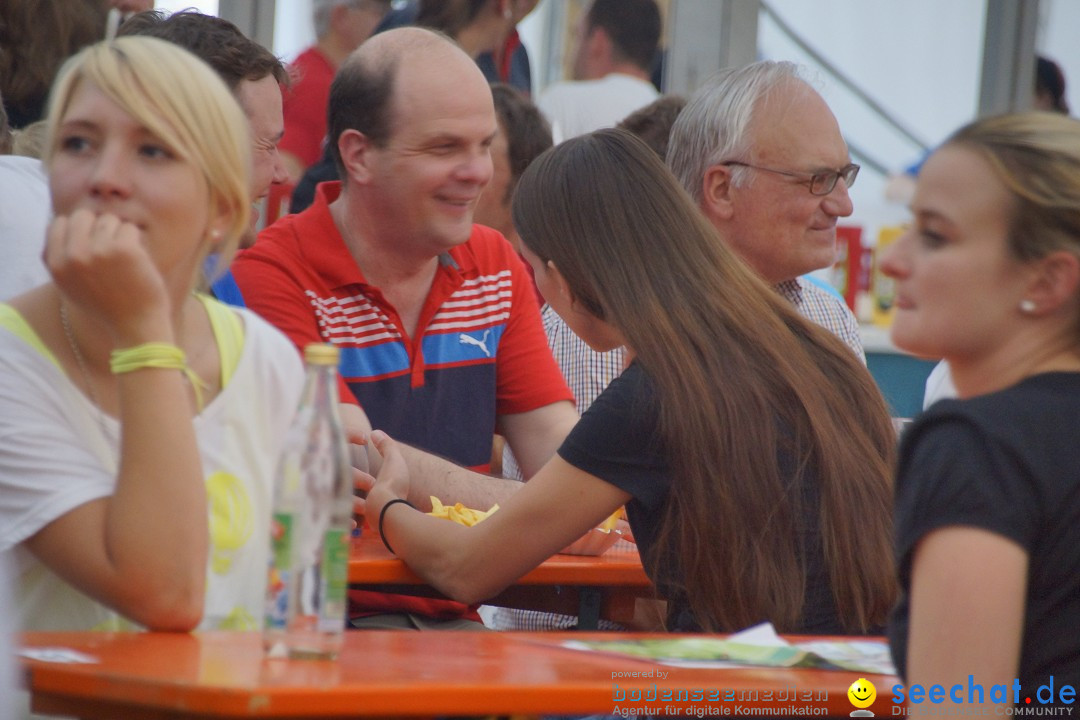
x=387 y=475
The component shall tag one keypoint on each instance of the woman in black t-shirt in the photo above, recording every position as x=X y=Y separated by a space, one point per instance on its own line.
x=752 y=449
x=988 y=490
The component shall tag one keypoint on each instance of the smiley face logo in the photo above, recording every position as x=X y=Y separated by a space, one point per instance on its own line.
x=862 y=693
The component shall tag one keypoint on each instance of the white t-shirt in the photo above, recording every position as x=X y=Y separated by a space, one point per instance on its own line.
x=939 y=385
x=579 y=107
x=25 y=209
x=57 y=451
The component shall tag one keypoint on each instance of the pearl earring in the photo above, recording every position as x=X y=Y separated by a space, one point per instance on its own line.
x=1027 y=306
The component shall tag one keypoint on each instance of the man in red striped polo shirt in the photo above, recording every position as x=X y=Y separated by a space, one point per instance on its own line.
x=435 y=317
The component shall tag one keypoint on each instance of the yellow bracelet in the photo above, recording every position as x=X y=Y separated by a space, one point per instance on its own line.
x=164 y=356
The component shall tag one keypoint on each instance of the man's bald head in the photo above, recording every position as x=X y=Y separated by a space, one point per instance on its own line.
x=363 y=91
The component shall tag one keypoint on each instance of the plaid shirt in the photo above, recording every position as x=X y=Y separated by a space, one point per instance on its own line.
x=827 y=310
x=587 y=372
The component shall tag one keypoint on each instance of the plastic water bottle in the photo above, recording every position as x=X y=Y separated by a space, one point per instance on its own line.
x=311 y=528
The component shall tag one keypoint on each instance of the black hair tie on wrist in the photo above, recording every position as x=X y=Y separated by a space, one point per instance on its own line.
x=382 y=515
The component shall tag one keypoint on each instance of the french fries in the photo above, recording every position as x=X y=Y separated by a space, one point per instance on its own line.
x=609 y=524
x=459 y=513
x=468 y=516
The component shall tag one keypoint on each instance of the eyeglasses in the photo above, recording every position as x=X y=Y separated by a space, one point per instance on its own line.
x=821 y=183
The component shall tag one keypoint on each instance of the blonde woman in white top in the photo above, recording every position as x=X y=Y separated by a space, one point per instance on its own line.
x=129 y=406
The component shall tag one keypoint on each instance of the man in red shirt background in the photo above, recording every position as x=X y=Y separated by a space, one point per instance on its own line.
x=340 y=27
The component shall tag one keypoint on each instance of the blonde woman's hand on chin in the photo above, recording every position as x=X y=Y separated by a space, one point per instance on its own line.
x=101 y=264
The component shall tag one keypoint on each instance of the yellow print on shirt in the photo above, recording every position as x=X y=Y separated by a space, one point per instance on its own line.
x=231 y=523
x=238 y=619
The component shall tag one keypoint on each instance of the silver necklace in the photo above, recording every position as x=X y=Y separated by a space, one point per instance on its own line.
x=79 y=359
x=84 y=369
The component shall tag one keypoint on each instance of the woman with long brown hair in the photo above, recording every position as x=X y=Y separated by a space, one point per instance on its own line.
x=751 y=448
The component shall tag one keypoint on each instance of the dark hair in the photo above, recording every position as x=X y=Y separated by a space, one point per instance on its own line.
x=36 y=36
x=216 y=41
x=632 y=25
x=653 y=122
x=742 y=382
x=448 y=16
x=360 y=98
x=1050 y=83
x=527 y=132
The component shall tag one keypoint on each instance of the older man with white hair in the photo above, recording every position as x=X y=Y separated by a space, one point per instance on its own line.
x=761 y=152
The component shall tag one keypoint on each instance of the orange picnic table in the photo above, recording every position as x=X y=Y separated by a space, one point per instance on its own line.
x=590 y=587
x=405 y=673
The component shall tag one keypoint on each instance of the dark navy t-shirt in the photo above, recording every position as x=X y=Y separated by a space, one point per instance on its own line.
x=1007 y=462
x=617 y=441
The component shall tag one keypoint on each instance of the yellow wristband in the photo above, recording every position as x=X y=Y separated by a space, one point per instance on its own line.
x=164 y=356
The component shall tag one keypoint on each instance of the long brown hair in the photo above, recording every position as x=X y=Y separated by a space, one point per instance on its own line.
x=36 y=36
x=741 y=380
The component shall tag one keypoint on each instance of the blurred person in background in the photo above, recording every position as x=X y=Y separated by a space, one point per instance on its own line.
x=487 y=31
x=36 y=36
x=24 y=214
x=478 y=26
x=523 y=134
x=1049 y=86
x=340 y=27
x=653 y=122
x=131 y=7
x=509 y=62
x=614 y=49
